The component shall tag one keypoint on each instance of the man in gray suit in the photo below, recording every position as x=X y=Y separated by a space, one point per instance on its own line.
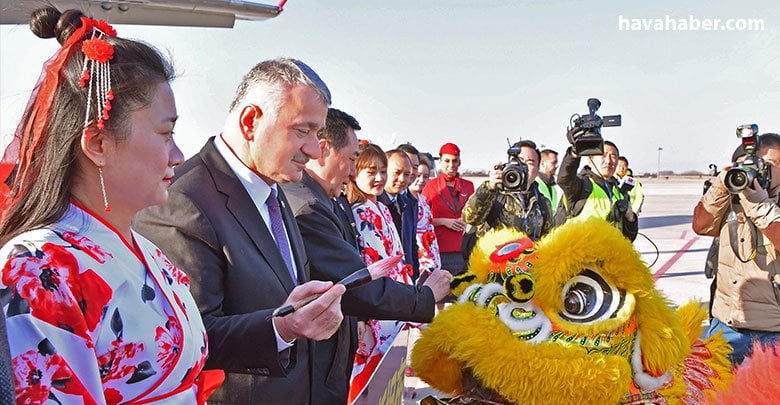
x=228 y=225
x=326 y=225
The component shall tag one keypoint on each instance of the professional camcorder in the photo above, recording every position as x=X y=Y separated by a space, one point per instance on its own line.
x=514 y=173
x=752 y=168
x=584 y=131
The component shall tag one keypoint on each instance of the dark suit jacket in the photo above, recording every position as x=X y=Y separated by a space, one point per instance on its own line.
x=211 y=229
x=330 y=246
x=406 y=225
x=7 y=393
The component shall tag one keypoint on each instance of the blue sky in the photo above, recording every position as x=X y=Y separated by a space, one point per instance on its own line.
x=478 y=72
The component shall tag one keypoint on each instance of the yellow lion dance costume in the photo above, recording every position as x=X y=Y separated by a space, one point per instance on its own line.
x=572 y=319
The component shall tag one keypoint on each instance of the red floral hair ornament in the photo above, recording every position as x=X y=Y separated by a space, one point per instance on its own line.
x=31 y=132
x=104 y=27
x=97 y=73
x=98 y=49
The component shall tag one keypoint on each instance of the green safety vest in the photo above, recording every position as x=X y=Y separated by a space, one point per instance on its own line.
x=550 y=192
x=599 y=204
x=637 y=197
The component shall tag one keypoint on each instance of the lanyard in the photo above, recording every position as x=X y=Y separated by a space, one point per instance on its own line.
x=532 y=202
x=608 y=189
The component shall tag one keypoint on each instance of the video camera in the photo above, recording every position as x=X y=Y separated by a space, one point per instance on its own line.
x=584 y=131
x=514 y=173
x=752 y=168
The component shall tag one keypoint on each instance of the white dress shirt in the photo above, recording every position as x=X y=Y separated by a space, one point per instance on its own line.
x=258 y=191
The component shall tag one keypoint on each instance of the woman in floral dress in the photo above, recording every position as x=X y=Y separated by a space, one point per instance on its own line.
x=378 y=239
x=95 y=313
x=427 y=245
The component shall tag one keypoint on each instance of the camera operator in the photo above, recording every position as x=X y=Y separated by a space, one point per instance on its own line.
x=521 y=206
x=595 y=193
x=746 y=303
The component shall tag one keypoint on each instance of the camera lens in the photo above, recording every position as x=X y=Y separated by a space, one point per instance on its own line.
x=514 y=177
x=738 y=179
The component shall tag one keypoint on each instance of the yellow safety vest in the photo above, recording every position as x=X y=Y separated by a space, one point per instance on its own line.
x=550 y=192
x=599 y=203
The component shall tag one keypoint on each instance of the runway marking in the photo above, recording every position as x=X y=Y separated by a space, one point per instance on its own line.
x=684 y=234
x=674 y=258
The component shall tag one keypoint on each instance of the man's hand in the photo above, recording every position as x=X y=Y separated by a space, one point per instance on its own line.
x=629 y=216
x=439 y=282
x=494 y=177
x=317 y=320
x=754 y=194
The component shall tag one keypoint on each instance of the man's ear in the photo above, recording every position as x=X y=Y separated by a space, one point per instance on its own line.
x=97 y=146
x=247 y=121
x=324 y=150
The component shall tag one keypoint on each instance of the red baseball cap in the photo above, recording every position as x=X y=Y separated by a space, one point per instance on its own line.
x=449 y=149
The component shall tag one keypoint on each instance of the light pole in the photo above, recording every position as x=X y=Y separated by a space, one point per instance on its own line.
x=659 y=161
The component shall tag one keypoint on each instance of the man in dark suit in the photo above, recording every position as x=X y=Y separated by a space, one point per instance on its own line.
x=229 y=226
x=327 y=228
x=403 y=206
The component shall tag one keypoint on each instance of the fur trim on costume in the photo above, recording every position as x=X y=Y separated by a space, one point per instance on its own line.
x=756 y=381
x=642 y=379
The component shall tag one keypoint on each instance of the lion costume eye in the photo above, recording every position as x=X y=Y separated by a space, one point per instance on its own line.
x=588 y=298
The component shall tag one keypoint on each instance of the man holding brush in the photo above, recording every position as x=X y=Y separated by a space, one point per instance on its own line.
x=228 y=226
x=326 y=225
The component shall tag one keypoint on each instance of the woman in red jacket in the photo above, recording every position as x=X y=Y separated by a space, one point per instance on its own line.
x=447 y=194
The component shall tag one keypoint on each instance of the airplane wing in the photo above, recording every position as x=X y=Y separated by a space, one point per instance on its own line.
x=188 y=13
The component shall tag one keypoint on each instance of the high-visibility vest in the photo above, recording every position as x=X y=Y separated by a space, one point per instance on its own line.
x=599 y=203
x=552 y=193
x=637 y=196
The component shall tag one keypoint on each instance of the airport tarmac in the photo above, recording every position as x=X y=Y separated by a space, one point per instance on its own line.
x=678 y=261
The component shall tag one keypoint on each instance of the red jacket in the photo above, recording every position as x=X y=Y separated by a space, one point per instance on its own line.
x=443 y=205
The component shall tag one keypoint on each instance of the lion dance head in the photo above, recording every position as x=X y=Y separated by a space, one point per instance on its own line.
x=572 y=318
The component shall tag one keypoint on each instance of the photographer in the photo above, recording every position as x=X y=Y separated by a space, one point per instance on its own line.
x=746 y=304
x=595 y=193
x=520 y=205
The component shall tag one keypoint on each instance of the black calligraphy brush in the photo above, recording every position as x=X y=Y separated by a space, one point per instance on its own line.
x=360 y=277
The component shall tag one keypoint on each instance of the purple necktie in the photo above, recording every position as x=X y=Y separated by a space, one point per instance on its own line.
x=277 y=228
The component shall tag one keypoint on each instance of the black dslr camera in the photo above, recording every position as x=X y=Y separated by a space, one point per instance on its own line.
x=752 y=168
x=514 y=173
x=584 y=132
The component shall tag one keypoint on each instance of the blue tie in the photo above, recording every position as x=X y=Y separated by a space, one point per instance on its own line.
x=277 y=229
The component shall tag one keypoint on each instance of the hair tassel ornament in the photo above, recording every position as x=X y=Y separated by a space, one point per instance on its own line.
x=96 y=74
x=96 y=77
x=30 y=134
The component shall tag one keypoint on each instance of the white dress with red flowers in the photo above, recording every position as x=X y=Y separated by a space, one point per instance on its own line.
x=378 y=239
x=92 y=319
x=427 y=245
